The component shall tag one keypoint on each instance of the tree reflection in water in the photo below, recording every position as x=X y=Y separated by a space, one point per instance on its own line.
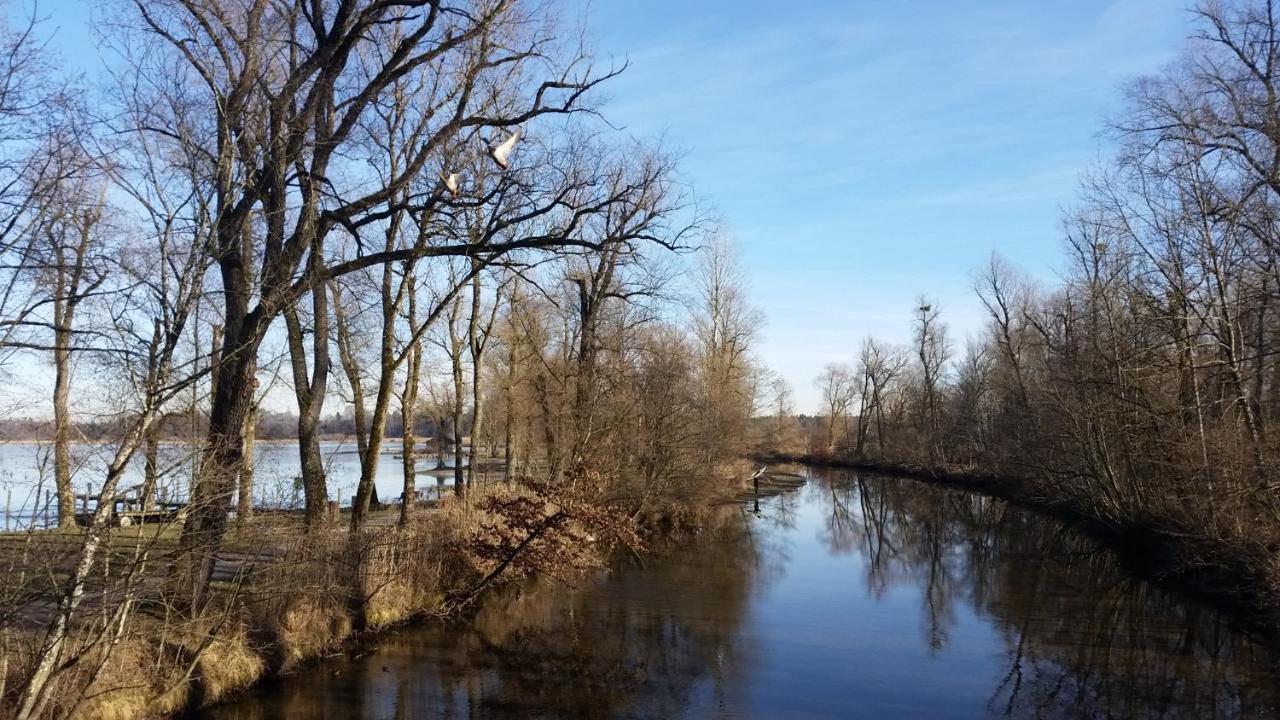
x=856 y=596
x=1083 y=638
x=652 y=637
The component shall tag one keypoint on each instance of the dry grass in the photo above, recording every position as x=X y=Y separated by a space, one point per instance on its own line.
x=312 y=593
x=392 y=603
x=120 y=682
x=228 y=665
x=125 y=689
x=306 y=627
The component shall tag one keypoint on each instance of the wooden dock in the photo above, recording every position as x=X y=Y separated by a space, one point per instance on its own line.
x=130 y=508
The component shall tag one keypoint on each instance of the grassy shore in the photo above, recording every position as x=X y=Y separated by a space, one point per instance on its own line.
x=283 y=598
x=279 y=599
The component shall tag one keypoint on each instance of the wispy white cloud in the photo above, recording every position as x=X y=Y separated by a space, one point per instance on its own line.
x=866 y=152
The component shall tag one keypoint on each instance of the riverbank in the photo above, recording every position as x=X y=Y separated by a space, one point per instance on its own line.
x=1230 y=572
x=280 y=598
x=292 y=598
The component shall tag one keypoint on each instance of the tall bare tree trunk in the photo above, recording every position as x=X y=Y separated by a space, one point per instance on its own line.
x=244 y=492
x=476 y=344
x=509 y=437
x=310 y=393
x=220 y=463
x=69 y=290
x=479 y=331
x=62 y=425
x=408 y=416
x=234 y=380
x=459 y=393
x=550 y=433
x=366 y=491
x=151 y=439
x=151 y=466
x=391 y=300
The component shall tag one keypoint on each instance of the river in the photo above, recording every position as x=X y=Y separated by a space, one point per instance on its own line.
x=855 y=596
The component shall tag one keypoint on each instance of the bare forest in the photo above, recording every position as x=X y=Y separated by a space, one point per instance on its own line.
x=504 y=342
x=411 y=220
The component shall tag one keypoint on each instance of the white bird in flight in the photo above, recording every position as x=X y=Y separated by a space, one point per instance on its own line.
x=501 y=152
x=452 y=183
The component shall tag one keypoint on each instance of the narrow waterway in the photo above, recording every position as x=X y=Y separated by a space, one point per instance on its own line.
x=855 y=596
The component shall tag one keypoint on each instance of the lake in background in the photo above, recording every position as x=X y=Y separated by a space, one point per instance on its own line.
x=26 y=474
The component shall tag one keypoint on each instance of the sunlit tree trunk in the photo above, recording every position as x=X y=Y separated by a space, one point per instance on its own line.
x=408 y=410
x=310 y=391
x=244 y=490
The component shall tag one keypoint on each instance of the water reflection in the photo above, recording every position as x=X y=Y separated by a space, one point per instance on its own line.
x=854 y=597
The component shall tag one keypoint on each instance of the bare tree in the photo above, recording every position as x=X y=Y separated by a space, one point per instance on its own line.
x=726 y=326
x=838 y=391
x=932 y=352
x=289 y=92
x=63 y=254
x=879 y=368
x=310 y=389
x=782 y=401
x=408 y=407
x=31 y=101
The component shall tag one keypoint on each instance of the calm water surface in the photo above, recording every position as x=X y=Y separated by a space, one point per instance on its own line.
x=852 y=597
x=26 y=474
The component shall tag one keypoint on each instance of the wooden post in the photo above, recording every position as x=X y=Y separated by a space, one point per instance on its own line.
x=334 y=511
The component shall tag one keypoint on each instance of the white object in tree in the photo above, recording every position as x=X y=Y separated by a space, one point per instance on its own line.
x=501 y=152
x=452 y=183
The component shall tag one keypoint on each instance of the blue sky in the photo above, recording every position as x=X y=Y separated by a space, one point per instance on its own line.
x=866 y=152
x=863 y=153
